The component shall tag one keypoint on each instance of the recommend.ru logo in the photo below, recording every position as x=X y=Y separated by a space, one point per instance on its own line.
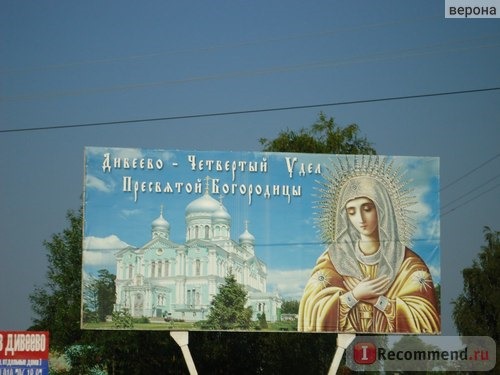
x=421 y=353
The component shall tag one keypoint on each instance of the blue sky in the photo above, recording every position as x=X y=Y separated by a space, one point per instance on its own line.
x=73 y=62
x=284 y=226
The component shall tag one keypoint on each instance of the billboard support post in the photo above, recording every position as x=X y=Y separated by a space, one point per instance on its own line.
x=182 y=339
x=343 y=341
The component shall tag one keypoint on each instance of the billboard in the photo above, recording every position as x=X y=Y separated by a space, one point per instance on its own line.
x=195 y=240
x=24 y=352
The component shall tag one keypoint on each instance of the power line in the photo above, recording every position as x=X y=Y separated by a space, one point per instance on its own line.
x=470 y=172
x=470 y=200
x=249 y=111
x=406 y=53
x=470 y=191
x=216 y=47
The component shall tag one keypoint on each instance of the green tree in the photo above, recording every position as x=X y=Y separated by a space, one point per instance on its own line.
x=476 y=311
x=228 y=309
x=123 y=319
x=98 y=296
x=90 y=301
x=262 y=321
x=105 y=294
x=290 y=307
x=57 y=303
x=411 y=343
x=323 y=137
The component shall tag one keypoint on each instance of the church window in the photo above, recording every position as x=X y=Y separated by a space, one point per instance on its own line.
x=162 y=299
x=160 y=269
x=138 y=303
x=196 y=232
x=153 y=264
x=191 y=297
x=130 y=271
x=197 y=267
x=167 y=266
x=207 y=232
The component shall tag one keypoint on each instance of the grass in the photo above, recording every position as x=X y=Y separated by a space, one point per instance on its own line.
x=185 y=326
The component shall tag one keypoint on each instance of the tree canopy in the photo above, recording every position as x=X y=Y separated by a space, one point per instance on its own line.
x=476 y=311
x=98 y=296
x=323 y=137
x=57 y=303
x=228 y=309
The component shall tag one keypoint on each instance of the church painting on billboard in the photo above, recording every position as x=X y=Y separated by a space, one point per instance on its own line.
x=350 y=242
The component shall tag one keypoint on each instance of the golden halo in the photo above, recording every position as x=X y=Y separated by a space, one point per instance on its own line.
x=339 y=175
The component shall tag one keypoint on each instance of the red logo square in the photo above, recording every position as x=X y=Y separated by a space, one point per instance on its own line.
x=365 y=353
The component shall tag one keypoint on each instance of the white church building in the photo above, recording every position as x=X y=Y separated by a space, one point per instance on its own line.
x=163 y=278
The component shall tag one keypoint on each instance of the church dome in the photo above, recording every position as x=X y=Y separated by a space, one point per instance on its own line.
x=160 y=226
x=203 y=205
x=246 y=236
x=160 y=223
x=221 y=215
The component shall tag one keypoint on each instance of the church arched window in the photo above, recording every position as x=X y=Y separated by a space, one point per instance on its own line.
x=160 y=269
x=207 y=232
x=197 y=267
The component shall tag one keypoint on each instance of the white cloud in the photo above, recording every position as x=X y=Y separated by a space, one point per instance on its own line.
x=288 y=283
x=101 y=252
x=167 y=155
x=93 y=182
x=132 y=212
x=428 y=225
x=130 y=153
x=435 y=273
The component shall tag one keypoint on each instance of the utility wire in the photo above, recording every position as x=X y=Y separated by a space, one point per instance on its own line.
x=249 y=111
x=470 y=191
x=216 y=47
x=412 y=52
x=470 y=200
x=470 y=172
